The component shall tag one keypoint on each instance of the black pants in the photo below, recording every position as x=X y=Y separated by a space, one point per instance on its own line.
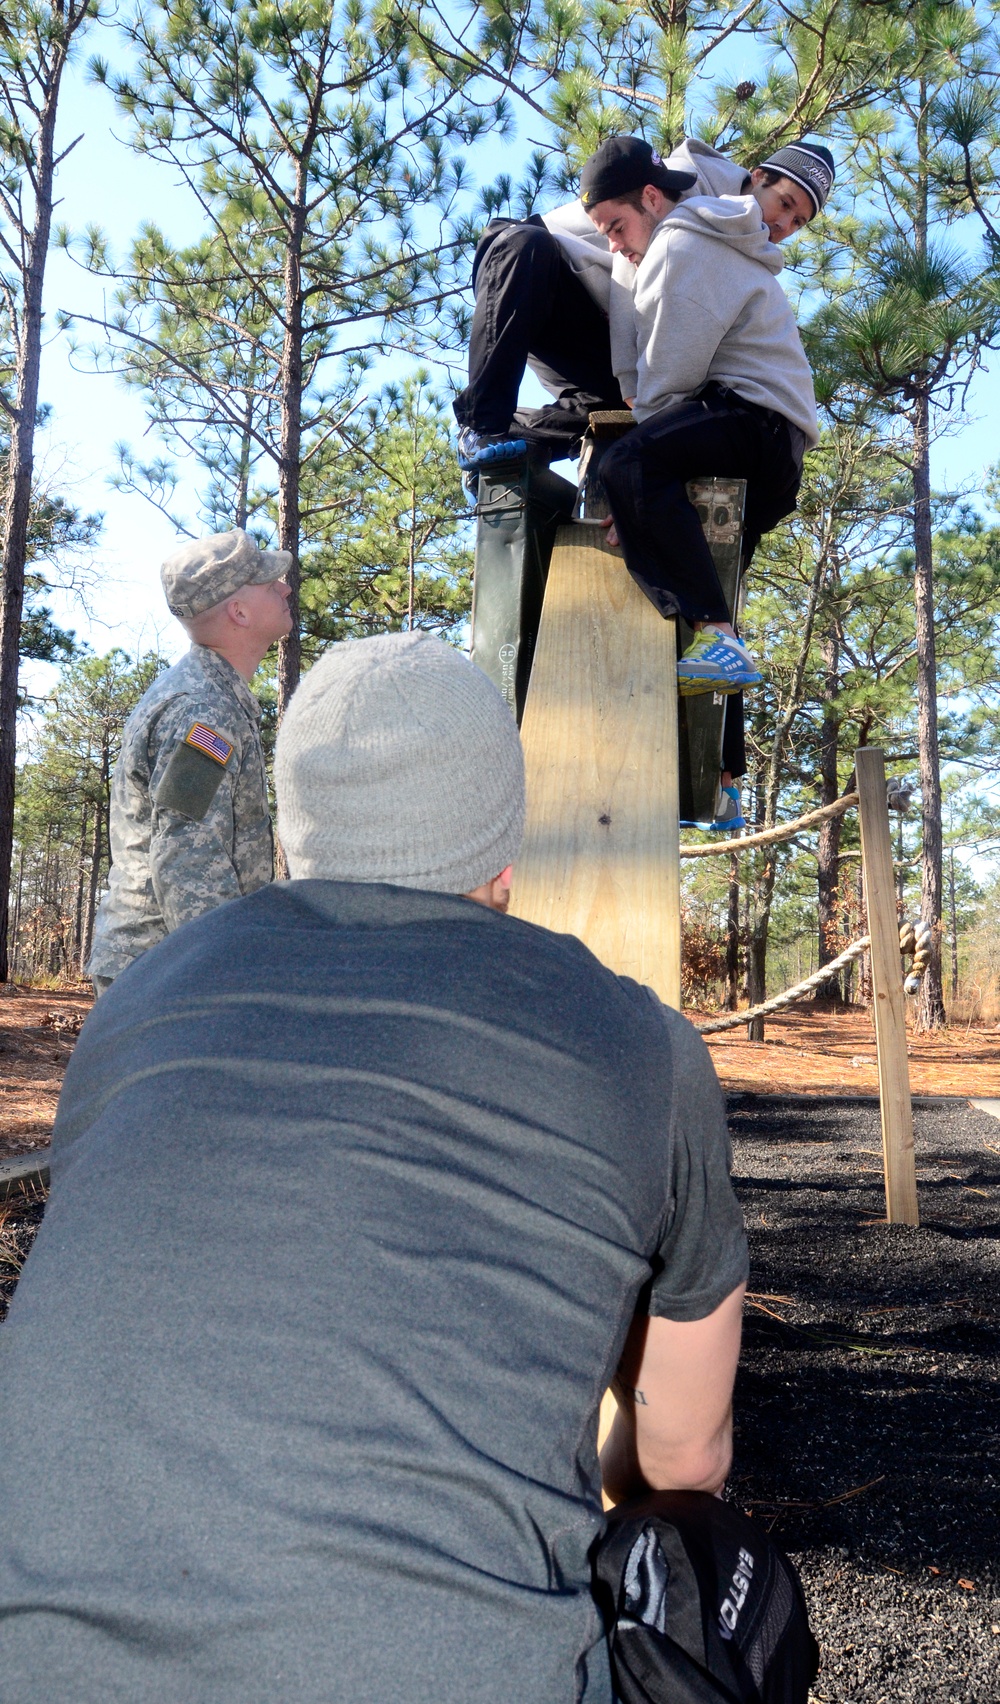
x=531 y=309
x=645 y=475
x=666 y=552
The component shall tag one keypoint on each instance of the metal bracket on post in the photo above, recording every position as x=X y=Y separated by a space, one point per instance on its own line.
x=887 y=991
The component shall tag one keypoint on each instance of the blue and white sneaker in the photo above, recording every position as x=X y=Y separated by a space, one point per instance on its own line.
x=715 y=662
x=477 y=450
x=728 y=814
x=728 y=811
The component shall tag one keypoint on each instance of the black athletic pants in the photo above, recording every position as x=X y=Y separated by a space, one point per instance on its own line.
x=531 y=309
x=645 y=475
x=666 y=552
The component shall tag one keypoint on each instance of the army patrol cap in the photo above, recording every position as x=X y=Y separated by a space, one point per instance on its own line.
x=209 y=570
x=398 y=761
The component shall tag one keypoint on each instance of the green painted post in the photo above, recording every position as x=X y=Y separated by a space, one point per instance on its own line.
x=719 y=503
x=519 y=509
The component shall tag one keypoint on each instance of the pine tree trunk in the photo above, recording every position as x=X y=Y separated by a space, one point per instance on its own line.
x=864 y=994
x=289 y=460
x=81 y=879
x=733 y=936
x=289 y=476
x=16 y=926
x=15 y=545
x=21 y=456
x=246 y=451
x=828 y=849
x=763 y=887
x=930 y=1006
x=757 y=942
x=97 y=847
x=953 y=909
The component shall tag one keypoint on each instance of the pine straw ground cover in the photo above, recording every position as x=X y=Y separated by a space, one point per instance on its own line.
x=814 y=1050
x=867 y=1396
x=37 y=1032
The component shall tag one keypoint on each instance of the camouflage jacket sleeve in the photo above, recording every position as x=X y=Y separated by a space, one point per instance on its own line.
x=215 y=847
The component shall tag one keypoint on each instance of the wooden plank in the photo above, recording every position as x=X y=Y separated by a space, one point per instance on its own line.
x=887 y=986
x=600 y=856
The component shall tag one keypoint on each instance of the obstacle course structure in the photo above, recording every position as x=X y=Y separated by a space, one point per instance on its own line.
x=589 y=667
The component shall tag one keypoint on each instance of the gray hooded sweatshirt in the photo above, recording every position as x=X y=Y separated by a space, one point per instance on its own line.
x=708 y=305
x=609 y=278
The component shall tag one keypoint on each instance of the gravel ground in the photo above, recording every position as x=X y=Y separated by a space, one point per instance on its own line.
x=866 y=1400
x=866 y=1418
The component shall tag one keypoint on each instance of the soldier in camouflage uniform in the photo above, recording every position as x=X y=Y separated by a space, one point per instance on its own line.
x=190 y=825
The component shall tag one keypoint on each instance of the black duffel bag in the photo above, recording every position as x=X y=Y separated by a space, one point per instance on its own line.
x=701 y=1607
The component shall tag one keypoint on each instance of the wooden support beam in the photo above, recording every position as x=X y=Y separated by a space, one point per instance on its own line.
x=887 y=987
x=600 y=856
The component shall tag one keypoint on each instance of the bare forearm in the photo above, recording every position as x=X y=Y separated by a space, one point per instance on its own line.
x=629 y=1469
x=674 y=1426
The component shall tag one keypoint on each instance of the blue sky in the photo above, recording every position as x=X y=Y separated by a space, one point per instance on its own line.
x=103 y=182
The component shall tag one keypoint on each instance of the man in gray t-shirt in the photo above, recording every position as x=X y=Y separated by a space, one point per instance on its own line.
x=362 y=1192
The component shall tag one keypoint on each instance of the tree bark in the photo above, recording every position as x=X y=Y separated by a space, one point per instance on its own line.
x=97 y=847
x=246 y=452
x=81 y=881
x=290 y=450
x=15 y=928
x=290 y=470
x=733 y=936
x=930 y=1006
x=953 y=909
x=757 y=938
x=767 y=869
x=828 y=849
x=52 y=58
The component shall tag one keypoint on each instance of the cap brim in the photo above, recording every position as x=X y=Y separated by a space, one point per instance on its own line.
x=677 y=184
x=610 y=188
x=271 y=565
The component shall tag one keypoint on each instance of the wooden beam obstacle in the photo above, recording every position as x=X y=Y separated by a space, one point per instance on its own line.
x=592 y=666
x=600 y=718
x=600 y=855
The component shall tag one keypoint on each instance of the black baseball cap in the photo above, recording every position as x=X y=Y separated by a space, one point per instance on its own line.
x=623 y=163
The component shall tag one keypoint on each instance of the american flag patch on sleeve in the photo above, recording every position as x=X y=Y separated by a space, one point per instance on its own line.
x=212 y=744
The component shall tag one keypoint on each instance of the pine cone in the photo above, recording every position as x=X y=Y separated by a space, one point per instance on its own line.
x=743 y=91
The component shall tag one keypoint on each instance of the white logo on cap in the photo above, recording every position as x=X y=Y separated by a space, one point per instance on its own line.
x=654 y=156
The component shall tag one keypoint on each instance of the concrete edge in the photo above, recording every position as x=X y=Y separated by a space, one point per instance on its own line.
x=734 y=1095
x=25 y=1172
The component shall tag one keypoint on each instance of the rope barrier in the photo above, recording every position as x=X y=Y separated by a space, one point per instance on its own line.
x=766 y=836
x=914 y=942
x=788 y=998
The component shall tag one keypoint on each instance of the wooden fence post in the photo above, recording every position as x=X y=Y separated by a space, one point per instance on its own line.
x=887 y=990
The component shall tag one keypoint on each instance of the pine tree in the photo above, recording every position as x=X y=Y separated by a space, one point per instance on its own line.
x=324 y=162
x=35 y=44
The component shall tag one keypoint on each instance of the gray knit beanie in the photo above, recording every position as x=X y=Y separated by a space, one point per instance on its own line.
x=398 y=761
x=808 y=164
